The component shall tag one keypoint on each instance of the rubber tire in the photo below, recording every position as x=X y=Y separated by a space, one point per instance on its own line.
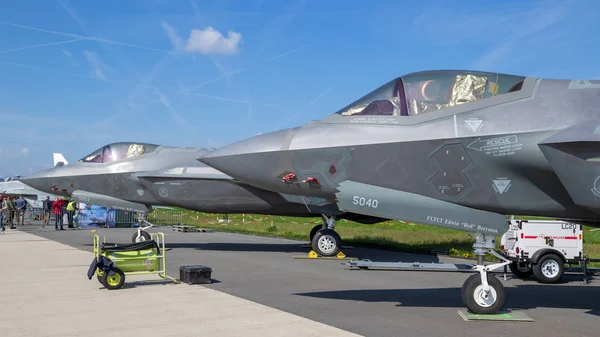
x=468 y=299
x=144 y=234
x=537 y=269
x=333 y=235
x=314 y=231
x=519 y=273
x=100 y=278
x=104 y=280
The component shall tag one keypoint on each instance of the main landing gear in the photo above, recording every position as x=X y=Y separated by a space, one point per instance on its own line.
x=324 y=239
x=482 y=293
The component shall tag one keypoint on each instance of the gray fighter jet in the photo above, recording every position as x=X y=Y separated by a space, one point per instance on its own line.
x=449 y=148
x=137 y=176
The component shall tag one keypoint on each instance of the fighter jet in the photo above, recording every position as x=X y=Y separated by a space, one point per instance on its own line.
x=13 y=186
x=451 y=148
x=16 y=188
x=137 y=176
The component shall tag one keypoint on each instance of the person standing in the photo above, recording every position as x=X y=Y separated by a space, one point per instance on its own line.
x=20 y=206
x=70 y=212
x=47 y=209
x=58 y=214
x=3 y=212
x=11 y=211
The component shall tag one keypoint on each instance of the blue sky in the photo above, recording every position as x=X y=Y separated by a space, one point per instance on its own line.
x=75 y=75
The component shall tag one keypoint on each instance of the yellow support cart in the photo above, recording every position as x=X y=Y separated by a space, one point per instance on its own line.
x=141 y=258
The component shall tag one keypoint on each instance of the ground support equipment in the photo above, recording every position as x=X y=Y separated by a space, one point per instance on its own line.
x=482 y=293
x=112 y=262
x=546 y=249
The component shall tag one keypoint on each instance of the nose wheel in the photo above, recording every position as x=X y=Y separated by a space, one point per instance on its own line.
x=326 y=242
x=480 y=299
x=482 y=293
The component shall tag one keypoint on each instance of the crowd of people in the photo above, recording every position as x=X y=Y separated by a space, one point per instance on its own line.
x=12 y=206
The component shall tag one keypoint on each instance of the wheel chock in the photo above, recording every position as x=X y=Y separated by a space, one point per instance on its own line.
x=313 y=255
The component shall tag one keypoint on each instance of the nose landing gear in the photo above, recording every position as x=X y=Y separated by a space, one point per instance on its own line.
x=325 y=241
x=482 y=293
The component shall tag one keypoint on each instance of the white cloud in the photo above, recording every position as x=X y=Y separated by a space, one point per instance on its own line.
x=66 y=53
x=25 y=151
x=204 y=41
x=211 y=41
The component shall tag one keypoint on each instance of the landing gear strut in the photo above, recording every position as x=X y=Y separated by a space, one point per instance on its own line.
x=324 y=240
x=141 y=234
x=482 y=293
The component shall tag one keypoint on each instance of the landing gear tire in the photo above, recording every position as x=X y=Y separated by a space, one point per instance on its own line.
x=144 y=236
x=475 y=298
x=326 y=242
x=549 y=269
x=314 y=231
x=520 y=271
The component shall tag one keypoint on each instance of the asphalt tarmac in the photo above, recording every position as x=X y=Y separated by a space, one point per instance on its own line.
x=366 y=302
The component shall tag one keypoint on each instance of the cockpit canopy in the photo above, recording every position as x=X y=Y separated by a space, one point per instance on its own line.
x=423 y=92
x=118 y=151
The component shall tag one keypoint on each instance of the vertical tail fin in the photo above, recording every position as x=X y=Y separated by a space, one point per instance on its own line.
x=59 y=160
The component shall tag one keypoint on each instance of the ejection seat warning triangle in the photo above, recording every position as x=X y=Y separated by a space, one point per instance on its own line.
x=502 y=316
x=501 y=185
x=473 y=124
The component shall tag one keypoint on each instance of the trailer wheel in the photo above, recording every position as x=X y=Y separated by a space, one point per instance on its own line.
x=519 y=271
x=113 y=282
x=474 y=297
x=549 y=269
x=144 y=236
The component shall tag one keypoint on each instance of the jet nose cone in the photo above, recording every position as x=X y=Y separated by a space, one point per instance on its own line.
x=40 y=180
x=252 y=159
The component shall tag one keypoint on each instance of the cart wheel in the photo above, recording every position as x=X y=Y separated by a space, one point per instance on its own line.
x=113 y=282
x=475 y=299
x=99 y=275
x=144 y=236
x=519 y=271
x=549 y=269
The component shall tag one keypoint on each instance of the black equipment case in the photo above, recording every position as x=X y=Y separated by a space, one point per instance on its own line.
x=195 y=274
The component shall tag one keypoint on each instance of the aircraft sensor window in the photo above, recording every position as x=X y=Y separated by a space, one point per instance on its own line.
x=383 y=101
x=431 y=91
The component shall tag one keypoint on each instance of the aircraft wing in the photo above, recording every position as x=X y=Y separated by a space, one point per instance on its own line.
x=108 y=202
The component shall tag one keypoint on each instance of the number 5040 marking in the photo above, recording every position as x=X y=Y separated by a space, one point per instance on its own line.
x=362 y=201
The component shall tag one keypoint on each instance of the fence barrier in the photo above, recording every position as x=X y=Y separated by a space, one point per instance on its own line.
x=88 y=217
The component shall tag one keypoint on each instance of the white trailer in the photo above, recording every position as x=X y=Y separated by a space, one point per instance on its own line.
x=543 y=247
